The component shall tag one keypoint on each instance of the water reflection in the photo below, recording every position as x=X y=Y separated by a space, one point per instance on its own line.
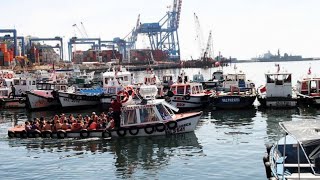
x=233 y=118
x=273 y=117
x=144 y=153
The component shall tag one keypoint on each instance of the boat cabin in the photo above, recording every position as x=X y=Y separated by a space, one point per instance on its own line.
x=24 y=84
x=235 y=80
x=279 y=84
x=113 y=87
x=51 y=86
x=167 y=78
x=309 y=86
x=197 y=78
x=217 y=75
x=188 y=88
x=154 y=111
x=125 y=77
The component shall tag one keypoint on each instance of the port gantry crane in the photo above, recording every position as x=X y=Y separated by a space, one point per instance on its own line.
x=58 y=46
x=15 y=41
x=163 y=35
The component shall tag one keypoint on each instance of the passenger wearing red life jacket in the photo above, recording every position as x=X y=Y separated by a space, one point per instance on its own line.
x=111 y=123
x=92 y=125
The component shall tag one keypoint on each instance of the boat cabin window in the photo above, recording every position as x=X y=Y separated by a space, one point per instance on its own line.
x=106 y=80
x=180 y=89
x=197 y=89
x=163 y=112
x=33 y=82
x=111 y=90
x=23 y=82
x=125 y=78
x=147 y=115
x=16 y=82
x=188 y=89
x=129 y=117
x=313 y=86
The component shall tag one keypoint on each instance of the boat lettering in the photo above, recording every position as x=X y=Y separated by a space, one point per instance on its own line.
x=184 y=125
x=71 y=100
x=180 y=104
x=230 y=100
x=137 y=107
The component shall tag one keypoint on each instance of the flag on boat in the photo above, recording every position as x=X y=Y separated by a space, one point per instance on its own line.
x=263 y=89
x=309 y=71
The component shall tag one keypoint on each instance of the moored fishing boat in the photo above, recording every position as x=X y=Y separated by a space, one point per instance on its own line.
x=45 y=95
x=296 y=155
x=277 y=92
x=308 y=90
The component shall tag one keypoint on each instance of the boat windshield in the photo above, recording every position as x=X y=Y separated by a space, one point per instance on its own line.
x=147 y=115
x=163 y=112
x=129 y=117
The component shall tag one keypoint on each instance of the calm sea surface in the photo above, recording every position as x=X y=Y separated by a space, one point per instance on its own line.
x=225 y=145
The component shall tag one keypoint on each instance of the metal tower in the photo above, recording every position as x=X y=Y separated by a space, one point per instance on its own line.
x=163 y=35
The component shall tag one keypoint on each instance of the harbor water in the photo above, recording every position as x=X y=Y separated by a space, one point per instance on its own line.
x=227 y=144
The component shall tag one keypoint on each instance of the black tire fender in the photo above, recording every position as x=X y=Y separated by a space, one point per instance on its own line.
x=149 y=129
x=36 y=133
x=187 y=97
x=172 y=124
x=23 y=134
x=106 y=134
x=84 y=133
x=134 y=131
x=47 y=134
x=11 y=134
x=160 y=127
x=61 y=134
x=123 y=133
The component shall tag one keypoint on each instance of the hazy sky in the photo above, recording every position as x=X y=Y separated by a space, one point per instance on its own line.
x=241 y=28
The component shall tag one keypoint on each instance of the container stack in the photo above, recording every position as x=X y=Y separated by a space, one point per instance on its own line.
x=5 y=56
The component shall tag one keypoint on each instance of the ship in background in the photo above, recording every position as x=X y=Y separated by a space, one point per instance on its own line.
x=269 y=57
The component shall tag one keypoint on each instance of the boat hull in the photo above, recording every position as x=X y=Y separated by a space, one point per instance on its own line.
x=184 y=123
x=277 y=102
x=106 y=99
x=18 y=102
x=308 y=100
x=233 y=101
x=36 y=101
x=182 y=102
x=76 y=100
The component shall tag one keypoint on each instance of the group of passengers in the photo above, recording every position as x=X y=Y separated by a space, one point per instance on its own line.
x=62 y=122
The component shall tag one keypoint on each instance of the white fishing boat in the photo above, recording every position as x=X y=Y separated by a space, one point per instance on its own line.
x=296 y=155
x=113 y=81
x=149 y=117
x=277 y=92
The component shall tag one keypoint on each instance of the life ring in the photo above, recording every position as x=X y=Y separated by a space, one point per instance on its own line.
x=130 y=90
x=106 y=134
x=10 y=76
x=123 y=93
x=123 y=133
x=47 y=134
x=36 y=134
x=160 y=127
x=11 y=134
x=84 y=133
x=21 y=101
x=172 y=125
x=187 y=97
x=148 y=130
x=134 y=131
x=23 y=134
x=61 y=134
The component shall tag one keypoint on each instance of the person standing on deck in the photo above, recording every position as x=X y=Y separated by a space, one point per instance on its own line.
x=13 y=91
x=116 y=106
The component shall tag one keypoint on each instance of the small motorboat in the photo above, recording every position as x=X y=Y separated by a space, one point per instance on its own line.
x=297 y=154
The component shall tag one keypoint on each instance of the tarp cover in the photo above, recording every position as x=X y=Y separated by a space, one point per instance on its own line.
x=304 y=130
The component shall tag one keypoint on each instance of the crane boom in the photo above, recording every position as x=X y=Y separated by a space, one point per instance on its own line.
x=199 y=35
x=84 y=30
x=208 y=53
